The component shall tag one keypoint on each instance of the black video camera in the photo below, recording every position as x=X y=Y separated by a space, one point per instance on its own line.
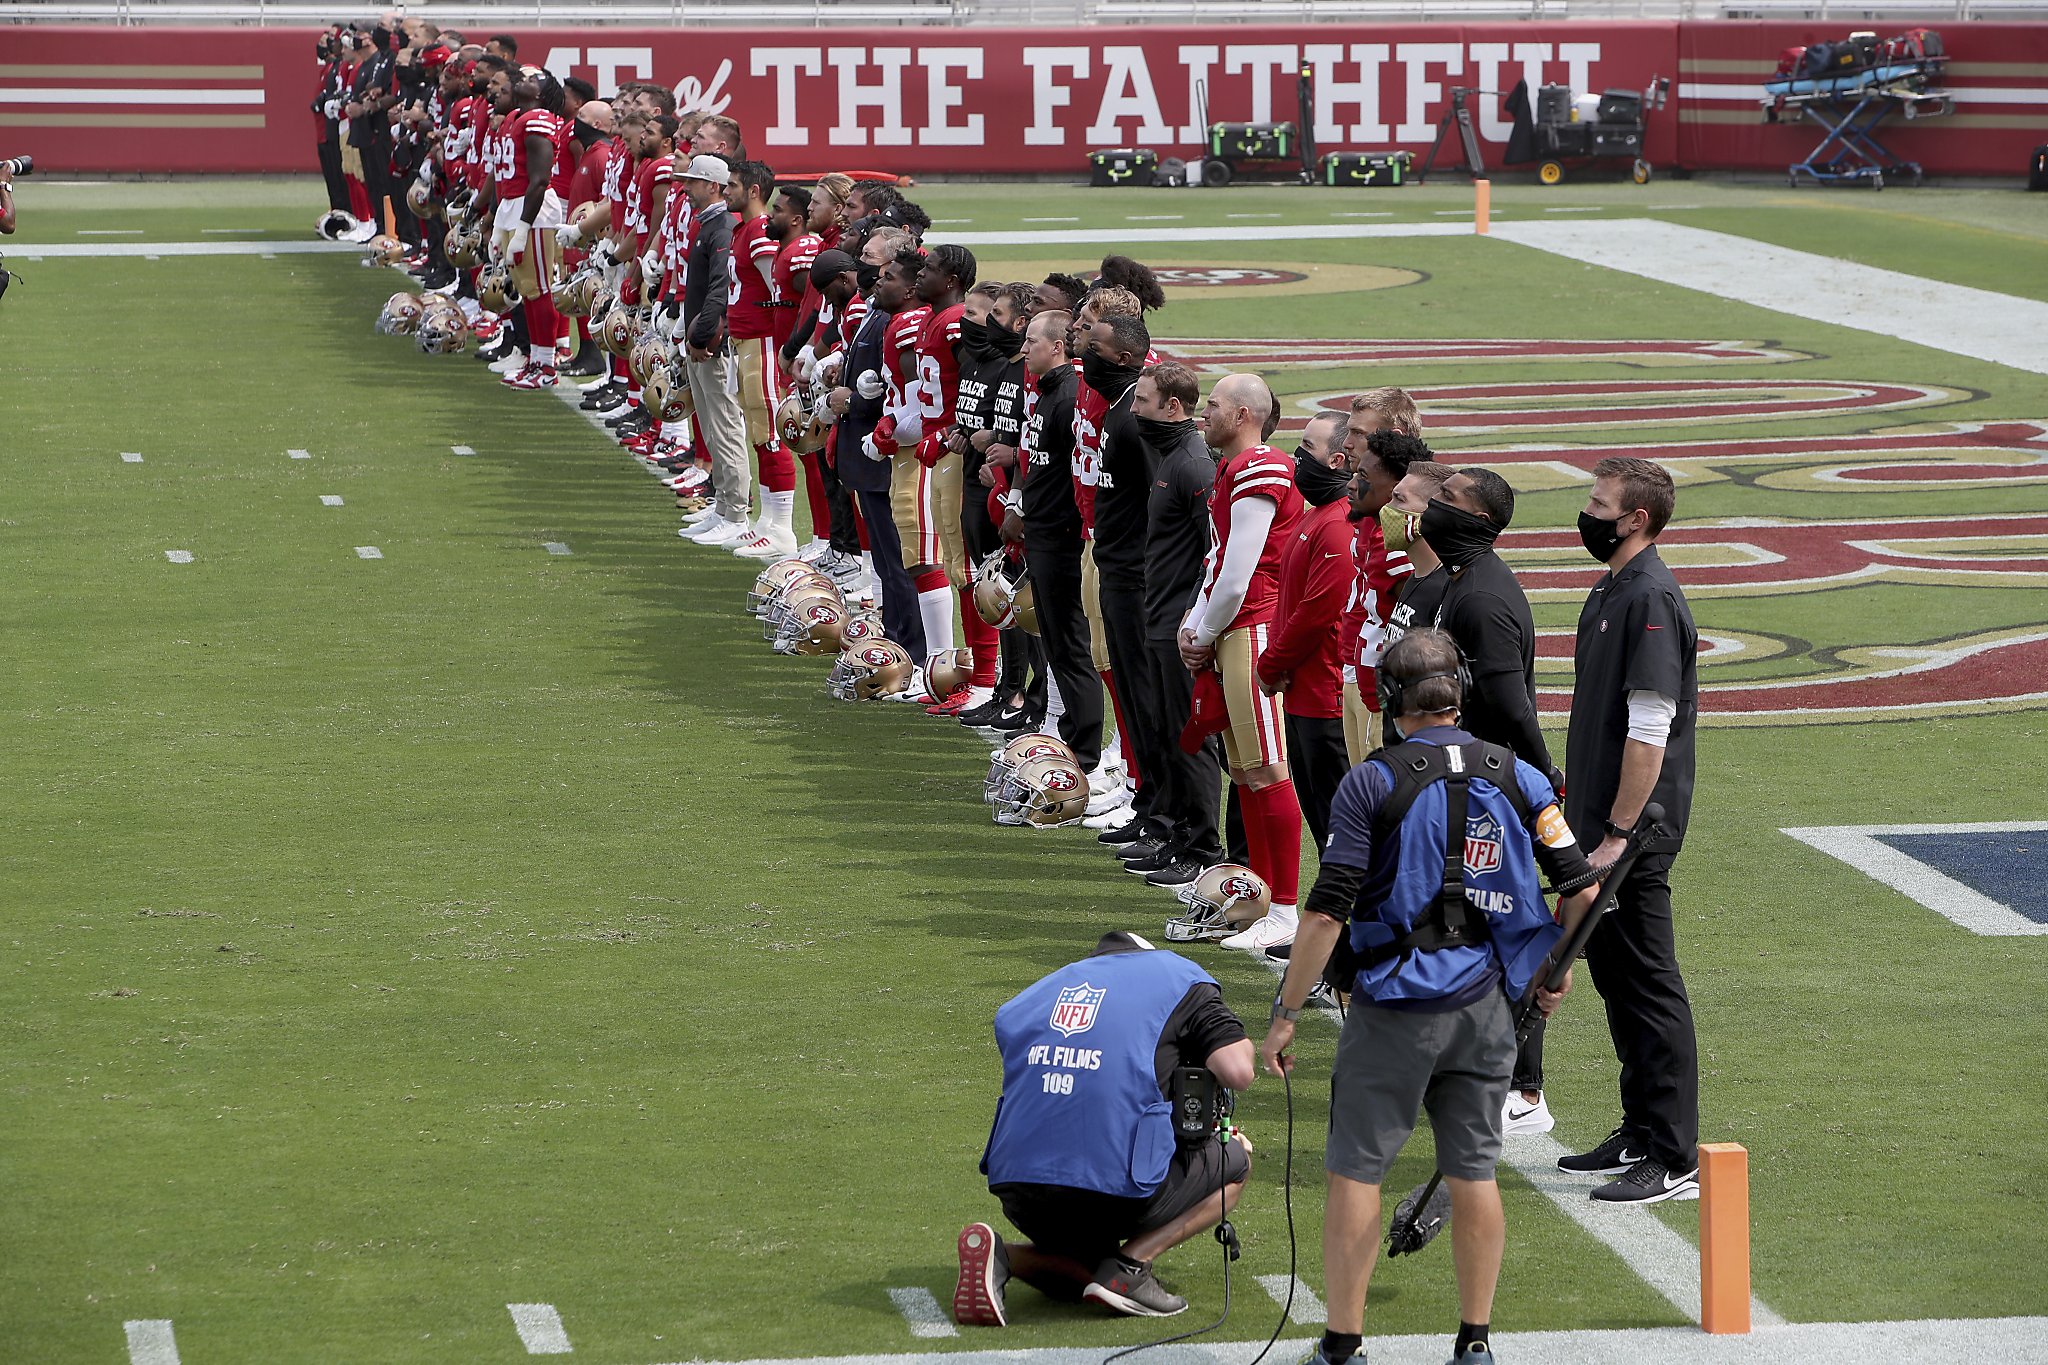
x=20 y=165
x=1200 y=1104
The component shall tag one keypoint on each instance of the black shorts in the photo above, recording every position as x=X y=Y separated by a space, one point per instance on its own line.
x=1088 y=1226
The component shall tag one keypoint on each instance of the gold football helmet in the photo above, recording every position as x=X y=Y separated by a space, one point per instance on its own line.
x=575 y=295
x=816 y=624
x=442 y=332
x=620 y=332
x=1220 y=902
x=947 y=671
x=401 y=315
x=1045 y=791
x=1006 y=760
x=862 y=626
x=800 y=592
x=385 y=249
x=495 y=291
x=464 y=245
x=420 y=199
x=773 y=580
x=999 y=601
x=867 y=671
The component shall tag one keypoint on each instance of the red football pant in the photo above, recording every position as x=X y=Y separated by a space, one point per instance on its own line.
x=814 y=488
x=778 y=470
x=983 y=642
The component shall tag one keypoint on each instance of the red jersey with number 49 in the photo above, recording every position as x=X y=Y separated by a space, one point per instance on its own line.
x=1261 y=472
x=938 y=367
x=747 y=297
x=901 y=338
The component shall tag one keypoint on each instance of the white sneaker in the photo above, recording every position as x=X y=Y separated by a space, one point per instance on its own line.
x=1267 y=933
x=1107 y=777
x=1518 y=1116
x=721 y=533
x=815 y=551
x=914 y=691
x=705 y=527
x=596 y=383
x=1116 y=817
x=701 y=518
x=447 y=290
x=760 y=546
x=1116 y=798
x=511 y=364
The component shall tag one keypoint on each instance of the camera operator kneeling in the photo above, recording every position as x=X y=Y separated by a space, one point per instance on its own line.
x=1430 y=875
x=1106 y=1147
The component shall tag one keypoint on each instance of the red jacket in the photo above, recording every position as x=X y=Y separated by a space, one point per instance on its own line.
x=1315 y=582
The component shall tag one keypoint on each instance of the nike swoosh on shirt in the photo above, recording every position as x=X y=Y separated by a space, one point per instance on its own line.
x=1653 y=627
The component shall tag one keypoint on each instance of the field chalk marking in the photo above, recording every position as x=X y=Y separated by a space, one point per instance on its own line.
x=1308 y=1310
x=540 y=1329
x=368 y=552
x=1978 y=323
x=151 y=1342
x=110 y=232
x=1860 y=848
x=460 y=450
x=1130 y=236
x=178 y=556
x=330 y=500
x=555 y=547
x=923 y=1313
x=300 y=454
x=131 y=457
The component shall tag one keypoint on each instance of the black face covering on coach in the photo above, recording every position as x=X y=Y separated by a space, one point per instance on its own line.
x=1003 y=341
x=1107 y=377
x=1319 y=484
x=1457 y=536
x=1163 y=436
x=1601 y=538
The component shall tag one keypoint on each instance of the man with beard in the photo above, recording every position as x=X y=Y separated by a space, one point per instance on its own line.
x=1401 y=528
x=1301 y=659
x=528 y=210
x=1020 y=700
x=1379 y=572
x=750 y=320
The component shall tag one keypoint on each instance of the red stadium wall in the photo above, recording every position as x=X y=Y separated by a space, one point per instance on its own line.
x=987 y=100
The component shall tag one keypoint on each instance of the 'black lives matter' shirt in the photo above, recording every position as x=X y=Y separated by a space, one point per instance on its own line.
x=1635 y=635
x=975 y=408
x=1123 y=499
x=1487 y=613
x=1177 y=534
x=1422 y=597
x=1049 y=512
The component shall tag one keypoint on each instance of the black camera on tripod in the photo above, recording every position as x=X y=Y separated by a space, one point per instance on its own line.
x=20 y=165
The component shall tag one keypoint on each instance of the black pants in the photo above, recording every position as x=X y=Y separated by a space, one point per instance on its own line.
x=1634 y=960
x=1317 y=761
x=1063 y=628
x=377 y=177
x=1190 y=783
x=330 y=169
x=1236 y=844
x=899 y=594
x=1145 y=736
x=840 y=532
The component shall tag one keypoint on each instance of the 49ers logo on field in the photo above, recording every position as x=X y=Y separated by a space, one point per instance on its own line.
x=1172 y=276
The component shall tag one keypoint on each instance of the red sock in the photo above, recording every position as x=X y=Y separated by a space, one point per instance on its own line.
x=931 y=580
x=778 y=470
x=619 y=374
x=814 y=489
x=982 y=641
x=358 y=199
x=1272 y=825
x=1255 y=851
x=543 y=324
x=1122 y=731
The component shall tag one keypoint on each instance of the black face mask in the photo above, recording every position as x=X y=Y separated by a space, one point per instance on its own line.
x=1601 y=538
x=1319 y=483
x=1106 y=376
x=1457 y=536
x=867 y=275
x=1164 y=436
x=1002 y=341
x=974 y=336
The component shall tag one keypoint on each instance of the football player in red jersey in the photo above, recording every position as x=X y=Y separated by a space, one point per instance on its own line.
x=896 y=436
x=1380 y=573
x=750 y=320
x=529 y=209
x=590 y=143
x=1253 y=510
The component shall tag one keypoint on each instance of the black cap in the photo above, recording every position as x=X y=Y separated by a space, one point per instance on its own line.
x=829 y=266
x=1120 y=941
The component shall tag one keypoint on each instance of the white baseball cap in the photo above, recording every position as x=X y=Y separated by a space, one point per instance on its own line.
x=712 y=168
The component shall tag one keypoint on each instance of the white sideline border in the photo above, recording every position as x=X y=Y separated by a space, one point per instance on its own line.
x=1861 y=848
x=540 y=1329
x=1935 y=1341
x=151 y=1341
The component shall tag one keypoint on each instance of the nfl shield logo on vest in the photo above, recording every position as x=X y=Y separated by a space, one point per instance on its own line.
x=1482 y=845
x=1074 y=1011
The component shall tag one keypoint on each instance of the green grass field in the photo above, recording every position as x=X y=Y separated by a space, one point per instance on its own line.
x=390 y=940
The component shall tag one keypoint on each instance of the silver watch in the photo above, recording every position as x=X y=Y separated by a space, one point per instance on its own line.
x=1281 y=1011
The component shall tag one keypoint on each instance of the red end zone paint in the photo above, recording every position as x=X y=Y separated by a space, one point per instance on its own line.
x=1222 y=354
x=1483 y=408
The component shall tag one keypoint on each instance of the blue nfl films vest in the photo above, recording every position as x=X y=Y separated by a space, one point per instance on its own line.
x=1500 y=880
x=1081 y=1104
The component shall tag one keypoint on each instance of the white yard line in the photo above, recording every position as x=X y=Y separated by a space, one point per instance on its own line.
x=131 y=457
x=368 y=552
x=151 y=1342
x=1963 y=321
x=185 y=248
x=178 y=556
x=1306 y=232
x=923 y=1313
x=300 y=454
x=330 y=500
x=1308 y=1310
x=555 y=547
x=540 y=1329
x=1860 y=847
x=1933 y=1341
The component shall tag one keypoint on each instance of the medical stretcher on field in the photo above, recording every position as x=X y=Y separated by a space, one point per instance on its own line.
x=1851 y=87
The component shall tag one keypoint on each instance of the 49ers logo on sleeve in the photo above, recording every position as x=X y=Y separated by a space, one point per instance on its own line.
x=1482 y=845
x=1075 y=1009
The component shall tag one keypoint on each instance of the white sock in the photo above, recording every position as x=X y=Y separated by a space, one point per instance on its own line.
x=1055 y=704
x=777 y=510
x=1282 y=914
x=978 y=696
x=542 y=355
x=1113 y=751
x=867 y=565
x=471 y=309
x=935 y=608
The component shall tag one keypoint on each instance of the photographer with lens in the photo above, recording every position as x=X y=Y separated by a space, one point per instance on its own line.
x=20 y=165
x=1110 y=1141
x=1430 y=878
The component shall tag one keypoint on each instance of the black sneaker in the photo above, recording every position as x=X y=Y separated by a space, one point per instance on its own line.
x=974 y=717
x=1182 y=871
x=1649 y=1181
x=1129 y=832
x=603 y=398
x=588 y=364
x=1145 y=867
x=1141 y=849
x=1619 y=1153
x=1017 y=719
x=497 y=350
x=1130 y=1287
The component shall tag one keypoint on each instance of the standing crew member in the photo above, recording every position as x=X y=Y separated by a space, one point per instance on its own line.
x=1435 y=873
x=1634 y=710
x=1083 y=1153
